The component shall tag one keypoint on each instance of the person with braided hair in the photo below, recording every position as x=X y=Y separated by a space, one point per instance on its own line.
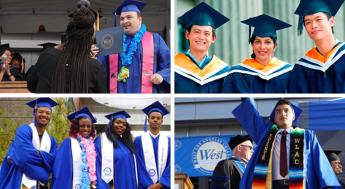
x=70 y=70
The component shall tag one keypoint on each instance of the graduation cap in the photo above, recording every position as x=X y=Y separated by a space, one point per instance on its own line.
x=203 y=15
x=42 y=102
x=154 y=107
x=296 y=109
x=4 y=47
x=238 y=139
x=332 y=155
x=47 y=45
x=307 y=7
x=17 y=56
x=265 y=26
x=82 y=113
x=109 y=40
x=130 y=6
x=116 y=115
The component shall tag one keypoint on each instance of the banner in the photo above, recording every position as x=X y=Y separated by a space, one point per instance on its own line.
x=198 y=156
x=323 y=115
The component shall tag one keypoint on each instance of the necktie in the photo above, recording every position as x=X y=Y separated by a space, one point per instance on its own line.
x=283 y=155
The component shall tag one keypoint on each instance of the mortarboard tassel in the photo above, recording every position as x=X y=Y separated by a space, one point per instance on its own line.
x=300 y=25
x=145 y=124
x=250 y=32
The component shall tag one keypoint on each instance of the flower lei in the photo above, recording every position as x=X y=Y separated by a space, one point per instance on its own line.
x=128 y=52
x=88 y=164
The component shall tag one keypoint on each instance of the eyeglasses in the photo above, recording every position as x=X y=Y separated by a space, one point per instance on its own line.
x=247 y=146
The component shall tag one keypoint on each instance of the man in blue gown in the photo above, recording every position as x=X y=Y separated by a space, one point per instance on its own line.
x=322 y=68
x=152 y=150
x=286 y=156
x=29 y=159
x=195 y=70
x=143 y=66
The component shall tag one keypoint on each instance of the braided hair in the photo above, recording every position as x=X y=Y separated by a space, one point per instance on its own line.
x=72 y=63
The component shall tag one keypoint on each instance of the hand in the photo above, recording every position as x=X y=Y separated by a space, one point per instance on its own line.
x=156 y=186
x=156 y=79
x=94 y=51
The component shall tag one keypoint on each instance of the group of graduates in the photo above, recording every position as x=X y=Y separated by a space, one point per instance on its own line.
x=284 y=157
x=77 y=66
x=85 y=160
x=321 y=70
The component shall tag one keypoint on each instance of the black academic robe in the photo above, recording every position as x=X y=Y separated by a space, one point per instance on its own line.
x=225 y=176
x=40 y=77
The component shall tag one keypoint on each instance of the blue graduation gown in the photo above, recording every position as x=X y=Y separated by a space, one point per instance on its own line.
x=319 y=173
x=208 y=81
x=244 y=79
x=22 y=157
x=124 y=168
x=312 y=76
x=144 y=178
x=161 y=66
x=63 y=166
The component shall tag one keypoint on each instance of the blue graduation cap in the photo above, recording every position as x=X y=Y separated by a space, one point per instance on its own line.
x=82 y=113
x=116 y=115
x=203 y=15
x=307 y=7
x=296 y=109
x=154 y=107
x=109 y=40
x=42 y=102
x=265 y=26
x=130 y=6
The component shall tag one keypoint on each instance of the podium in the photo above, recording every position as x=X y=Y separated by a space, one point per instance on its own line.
x=13 y=87
x=182 y=181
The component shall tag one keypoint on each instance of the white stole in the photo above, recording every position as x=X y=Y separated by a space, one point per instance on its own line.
x=149 y=155
x=44 y=146
x=76 y=163
x=107 y=150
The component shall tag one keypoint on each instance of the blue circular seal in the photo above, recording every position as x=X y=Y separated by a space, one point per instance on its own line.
x=77 y=186
x=208 y=152
x=152 y=172
x=178 y=144
x=107 y=171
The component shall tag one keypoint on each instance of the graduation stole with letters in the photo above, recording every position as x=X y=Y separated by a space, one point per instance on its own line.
x=149 y=155
x=262 y=178
x=147 y=65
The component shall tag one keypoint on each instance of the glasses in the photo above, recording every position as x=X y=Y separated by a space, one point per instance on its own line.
x=247 y=146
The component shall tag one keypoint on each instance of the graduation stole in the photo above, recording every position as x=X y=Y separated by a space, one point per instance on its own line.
x=149 y=155
x=262 y=178
x=76 y=162
x=107 y=150
x=215 y=69
x=274 y=69
x=45 y=146
x=147 y=65
x=314 y=60
x=239 y=165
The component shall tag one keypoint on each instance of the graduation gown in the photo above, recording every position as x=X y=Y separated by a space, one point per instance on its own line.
x=226 y=175
x=315 y=73
x=40 y=77
x=252 y=77
x=124 y=167
x=193 y=78
x=22 y=157
x=144 y=179
x=161 y=66
x=318 y=172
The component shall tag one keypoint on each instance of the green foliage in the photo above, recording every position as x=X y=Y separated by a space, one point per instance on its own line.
x=7 y=131
x=59 y=125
